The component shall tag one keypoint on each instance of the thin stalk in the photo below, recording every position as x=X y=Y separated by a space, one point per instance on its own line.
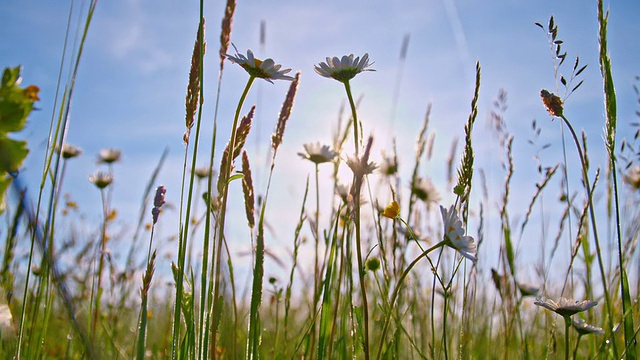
x=396 y=292
x=593 y=224
x=338 y=292
x=204 y=320
x=103 y=245
x=223 y=213
x=575 y=350
x=567 y=325
x=356 y=184
x=62 y=122
x=444 y=325
x=316 y=271
x=354 y=114
x=184 y=226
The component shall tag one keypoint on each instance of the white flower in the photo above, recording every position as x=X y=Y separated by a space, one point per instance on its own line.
x=425 y=191
x=343 y=69
x=101 y=179
x=343 y=190
x=6 y=321
x=204 y=172
x=584 y=329
x=317 y=153
x=360 y=167
x=70 y=151
x=528 y=289
x=389 y=164
x=632 y=177
x=109 y=156
x=566 y=307
x=266 y=69
x=454 y=234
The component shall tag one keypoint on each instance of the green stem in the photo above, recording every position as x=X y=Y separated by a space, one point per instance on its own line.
x=356 y=138
x=396 y=292
x=223 y=211
x=316 y=271
x=567 y=324
x=575 y=351
x=356 y=183
x=103 y=240
x=592 y=214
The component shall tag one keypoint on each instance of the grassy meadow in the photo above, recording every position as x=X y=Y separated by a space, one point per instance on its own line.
x=386 y=267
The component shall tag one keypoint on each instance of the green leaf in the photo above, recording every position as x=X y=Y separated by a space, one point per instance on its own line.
x=15 y=102
x=629 y=333
x=4 y=184
x=10 y=76
x=12 y=154
x=235 y=177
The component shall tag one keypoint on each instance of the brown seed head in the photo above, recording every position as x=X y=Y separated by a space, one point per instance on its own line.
x=552 y=102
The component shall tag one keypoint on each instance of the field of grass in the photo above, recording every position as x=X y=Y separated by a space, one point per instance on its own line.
x=372 y=272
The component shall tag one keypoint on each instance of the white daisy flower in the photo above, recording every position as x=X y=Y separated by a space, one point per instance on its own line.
x=70 y=151
x=318 y=153
x=632 y=177
x=109 y=156
x=345 y=68
x=359 y=167
x=566 y=307
x=454 y=234
x=389 y=164
x=101 y=179
x=425 y=191
x=583 y=328
x=266 y=69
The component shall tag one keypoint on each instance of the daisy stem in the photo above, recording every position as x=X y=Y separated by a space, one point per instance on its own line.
x=356 y=138
x=356 y=184
x=587 y=186
x=102 y=249
x=575 y=350
x=316 y=271
x=567 y=324
x=396 y=292
x=217 y=297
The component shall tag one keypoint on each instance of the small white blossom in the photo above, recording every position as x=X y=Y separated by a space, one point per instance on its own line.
x=266 y=69
x=70 y=151
x=359 y=167
x=101 y=179
x=583 y=328
x=109 y=156
x=566 y=307
x=454 y=234
x=632 y=177
x=425 y=191
x=318 y=153
x=345 y=68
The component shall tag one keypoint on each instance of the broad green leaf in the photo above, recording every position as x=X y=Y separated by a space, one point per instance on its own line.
x=12 y=154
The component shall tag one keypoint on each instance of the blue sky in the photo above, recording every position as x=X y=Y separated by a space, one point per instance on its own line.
x=132 y=82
